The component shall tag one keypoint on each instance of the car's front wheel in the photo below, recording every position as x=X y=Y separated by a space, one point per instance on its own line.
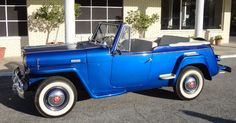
x=189 y=83
x=55 y=97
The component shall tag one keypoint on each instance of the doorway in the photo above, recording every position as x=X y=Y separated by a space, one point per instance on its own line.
x=233 y=19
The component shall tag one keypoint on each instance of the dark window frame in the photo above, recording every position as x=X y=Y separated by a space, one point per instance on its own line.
x=179 y=26
x=93 y=20
x=15 y=18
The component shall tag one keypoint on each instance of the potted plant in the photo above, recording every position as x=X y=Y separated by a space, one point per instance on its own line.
x=212 y=40
x=218 y=40
x=49 y=17
x=2 y=52
x=140 y=21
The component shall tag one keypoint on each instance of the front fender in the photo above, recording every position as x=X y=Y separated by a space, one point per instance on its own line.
x=42 y=74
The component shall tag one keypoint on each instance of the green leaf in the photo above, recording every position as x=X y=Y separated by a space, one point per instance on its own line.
x=140 y=21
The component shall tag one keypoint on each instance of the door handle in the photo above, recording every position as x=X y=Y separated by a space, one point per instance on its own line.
x=149 y=60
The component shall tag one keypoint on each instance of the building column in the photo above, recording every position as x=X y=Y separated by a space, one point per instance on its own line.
x=199 y=14
x=69 y=21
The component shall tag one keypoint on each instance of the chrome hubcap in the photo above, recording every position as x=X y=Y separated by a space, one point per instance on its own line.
x=56 y=99
x=191 y=84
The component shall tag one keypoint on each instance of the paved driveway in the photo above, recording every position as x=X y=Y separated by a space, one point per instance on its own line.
x=217 y=103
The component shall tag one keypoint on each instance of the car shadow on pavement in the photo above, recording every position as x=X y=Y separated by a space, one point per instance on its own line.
x=11 y=100
x=160 y=93
x=207 y=117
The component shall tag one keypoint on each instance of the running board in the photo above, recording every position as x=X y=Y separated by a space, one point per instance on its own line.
x=167 y=76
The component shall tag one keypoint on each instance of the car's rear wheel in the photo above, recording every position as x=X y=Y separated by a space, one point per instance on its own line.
x=190 y=83
x=55 y=97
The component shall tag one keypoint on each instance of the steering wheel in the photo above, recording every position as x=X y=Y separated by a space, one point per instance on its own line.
x=108 y=39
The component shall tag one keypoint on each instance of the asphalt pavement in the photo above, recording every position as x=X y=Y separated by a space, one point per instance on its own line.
x=217 y=104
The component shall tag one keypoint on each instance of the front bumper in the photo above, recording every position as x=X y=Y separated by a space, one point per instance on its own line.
x=19 y=84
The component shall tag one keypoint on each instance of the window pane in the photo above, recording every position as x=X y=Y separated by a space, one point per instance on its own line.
x=125 y=42
x=115 y=3
x=83 y=2
x=83 y=27
x=115 y=13
x=111 y=29
x=17 y=29
x=170 y=14
x=16 y=13
x=2 y=2
x=2 y=29
x=188 y=14
x=233 y=19
x=95 y=24
x=85 y=14
x=99 y=13
x=213 y=14
x=99 y=2
x=16 y=2
x=2 y=15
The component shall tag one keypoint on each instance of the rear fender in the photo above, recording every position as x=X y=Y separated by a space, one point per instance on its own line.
x=184 y=61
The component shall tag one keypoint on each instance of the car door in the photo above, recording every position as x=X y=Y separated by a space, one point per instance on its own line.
x=129 y=69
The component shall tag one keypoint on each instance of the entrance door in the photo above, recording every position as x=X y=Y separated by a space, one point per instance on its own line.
x=233 y=19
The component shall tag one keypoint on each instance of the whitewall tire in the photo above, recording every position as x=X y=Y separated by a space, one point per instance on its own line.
x=190 y=83
x=55 y=97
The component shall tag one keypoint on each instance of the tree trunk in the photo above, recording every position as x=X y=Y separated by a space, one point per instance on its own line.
x=47 y=39
x=141 y=34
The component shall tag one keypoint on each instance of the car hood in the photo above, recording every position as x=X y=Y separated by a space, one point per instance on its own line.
x=59 y=48
x=58 y=55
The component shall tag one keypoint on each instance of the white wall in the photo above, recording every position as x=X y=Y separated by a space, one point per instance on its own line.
x=39 y=38
x=13 y=45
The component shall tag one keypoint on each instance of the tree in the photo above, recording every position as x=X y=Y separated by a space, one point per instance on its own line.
x=140 y=21
x=48 y=17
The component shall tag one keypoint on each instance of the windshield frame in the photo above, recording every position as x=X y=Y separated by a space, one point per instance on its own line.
x=93 y=40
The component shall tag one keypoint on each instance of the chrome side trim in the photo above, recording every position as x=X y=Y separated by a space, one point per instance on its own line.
x=167 y=76
x=191 y=54
x=75 y=61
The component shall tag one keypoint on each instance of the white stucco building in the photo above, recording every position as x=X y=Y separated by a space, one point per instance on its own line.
x=204 y=18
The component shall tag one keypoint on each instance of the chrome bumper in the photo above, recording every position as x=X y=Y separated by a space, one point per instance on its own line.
x=223 y=68
x=19 y=85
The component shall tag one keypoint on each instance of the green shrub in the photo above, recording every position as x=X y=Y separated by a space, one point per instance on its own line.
x=218 y=37
x=48 y=17
x=140 y=21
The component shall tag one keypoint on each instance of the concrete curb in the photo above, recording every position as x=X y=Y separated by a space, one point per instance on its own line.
x=228 y=56
x=5 y=74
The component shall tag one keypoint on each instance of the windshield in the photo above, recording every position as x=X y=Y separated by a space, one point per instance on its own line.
x=105 y=34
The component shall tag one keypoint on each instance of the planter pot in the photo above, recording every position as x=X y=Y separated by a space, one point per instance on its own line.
x=218 y=42
x=2 y=52
x=212 y=42
x=55 y=43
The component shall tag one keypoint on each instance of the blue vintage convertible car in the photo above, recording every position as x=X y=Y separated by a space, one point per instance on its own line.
x=113 y=63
